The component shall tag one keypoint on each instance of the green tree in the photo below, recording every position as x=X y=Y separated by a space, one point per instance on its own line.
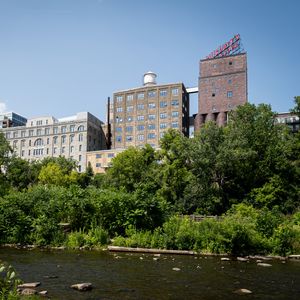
x=131 y=167
x=296 y=108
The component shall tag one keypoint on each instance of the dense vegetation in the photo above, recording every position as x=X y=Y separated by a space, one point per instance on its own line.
x=247 y=173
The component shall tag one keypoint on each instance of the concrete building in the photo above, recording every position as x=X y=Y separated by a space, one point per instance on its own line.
x=290 y=119
x=70 y=137
x=11 y=119
x=222 y=83
x=142 y=115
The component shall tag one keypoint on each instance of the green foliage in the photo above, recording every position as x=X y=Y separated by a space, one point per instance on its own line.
x=8 y=282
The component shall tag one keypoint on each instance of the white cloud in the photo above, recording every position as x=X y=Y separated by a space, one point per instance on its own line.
x=2 y=107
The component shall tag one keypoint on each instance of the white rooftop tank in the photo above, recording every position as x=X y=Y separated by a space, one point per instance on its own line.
x=149 y=78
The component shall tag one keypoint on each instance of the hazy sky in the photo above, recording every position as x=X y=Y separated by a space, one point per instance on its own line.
x=59 y=57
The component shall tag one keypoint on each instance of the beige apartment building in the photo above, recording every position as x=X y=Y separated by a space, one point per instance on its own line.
x=142 y=115
x=71 y=137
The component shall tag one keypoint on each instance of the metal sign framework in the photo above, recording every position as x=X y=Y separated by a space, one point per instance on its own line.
x=233 y=46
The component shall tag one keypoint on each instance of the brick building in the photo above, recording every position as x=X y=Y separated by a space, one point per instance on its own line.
x=222 y=87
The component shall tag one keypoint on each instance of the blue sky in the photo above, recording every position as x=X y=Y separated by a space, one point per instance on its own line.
x=59 y=57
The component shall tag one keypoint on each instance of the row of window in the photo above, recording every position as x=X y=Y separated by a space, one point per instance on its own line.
x=109 y=155
x=150 y=127
x=139 y=137
x=151 y=105
x=151 y=94
x=174 y=114
x=38 y=132
x=41 y=152
x=229 y=94
x=40 y=142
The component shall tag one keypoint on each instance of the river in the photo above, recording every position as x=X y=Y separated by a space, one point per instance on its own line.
x=138 y=276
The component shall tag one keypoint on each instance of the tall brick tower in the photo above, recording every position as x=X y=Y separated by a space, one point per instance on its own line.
x=222 y=83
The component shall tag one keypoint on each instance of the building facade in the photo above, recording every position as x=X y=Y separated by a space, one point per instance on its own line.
x=70 y=137
x=290 y=119
x=142 y=115
x=11 y=119
x=101 y=160
x=222 y=87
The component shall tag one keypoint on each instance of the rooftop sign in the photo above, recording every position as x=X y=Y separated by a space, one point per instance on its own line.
x=231 y=47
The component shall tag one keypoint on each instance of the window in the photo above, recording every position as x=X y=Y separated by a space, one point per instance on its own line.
x=129 y=97
x=47 y=131
x=129 y=128
x=140 y=106
x=63 y=149
x=47 y=151
x=163 y=115
x=30 y=132
x=151 y=94
x=175 y=103
x=39 y=132
x=23 y=143
x=151 y=136
x=151 y=126
x=38 y=123
x=72 y=138
x=129 y=138
x=230 y=63
x=140 y=118
x=79 y=158
x=72 y=149
x=110 y=155
x=140 y=137
x=55 y=130
x=63 y=129
x=229 y=81
x=98 y=155
x=229 y=94
x=163 y=125
x=151 y=117
x=29 y=143
x=213 y=94
x=81 y=128
x=80 y=137
x=72 y=128
x=119 y=98
x=79 y=168
x=129 y=108
x=175 y=125
x=163 y=104
x=119 y=129
x=140 y=96
x=80 y=147
x=48 y=141
x=163 y=93
x=38 y=142
x=22 y=153
x=38 y=152
x=129 y=119
x=15 y=144
x=28 y=152
x=119 y=138
x=162 y=134
x=54 y=150
x=175 y=114
x=98 y=165
x=23 y=133
x=119 y=120
x=151 y=105
x=140 y=127
x=119 y=109
x=175 y=92
x=15 y=134
x=63 y=139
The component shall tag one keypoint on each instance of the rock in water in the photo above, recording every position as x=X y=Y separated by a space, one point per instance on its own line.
x=28 y=292
x=242 y=259
x=176 y=269
x=43 y=293
x=29 y=285
x=225 y=258
x=86 y=286
x=243 y=292
x=264 y=265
